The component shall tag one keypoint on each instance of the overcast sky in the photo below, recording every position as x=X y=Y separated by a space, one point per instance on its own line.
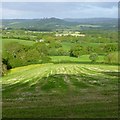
x=18 y=10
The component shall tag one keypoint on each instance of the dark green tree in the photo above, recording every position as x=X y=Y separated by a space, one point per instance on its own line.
x=76 y=51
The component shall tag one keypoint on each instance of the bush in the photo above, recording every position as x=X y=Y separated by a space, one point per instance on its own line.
x=62 y=52
x=110 y=48
x=76 y=51
x=112 y=58
x=4 y=66
x=45 y=59
x=93 y=57
x=3 y=69
x=20 y=55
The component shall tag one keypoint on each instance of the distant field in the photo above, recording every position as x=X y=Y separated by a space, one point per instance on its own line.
x=61 y=90
x=83 y=58
x=68 y=45
x=24 y=42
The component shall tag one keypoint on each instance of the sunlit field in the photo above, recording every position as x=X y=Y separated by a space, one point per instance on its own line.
x=59 y=60
x=70 y=90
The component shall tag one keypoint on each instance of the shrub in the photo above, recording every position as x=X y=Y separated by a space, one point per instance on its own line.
x=93 y=57
x=45 y=59
x=89 y=49
x=112 y=58
x=76 y=51
x=19 y=55
x=110 y=48
x=4 y=66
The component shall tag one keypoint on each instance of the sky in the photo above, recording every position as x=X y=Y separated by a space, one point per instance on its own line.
x=33 y=10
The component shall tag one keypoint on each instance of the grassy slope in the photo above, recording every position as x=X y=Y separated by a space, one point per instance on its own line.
x=83 y=58
x=61 y=90
x=64 y=90
x=24 y=42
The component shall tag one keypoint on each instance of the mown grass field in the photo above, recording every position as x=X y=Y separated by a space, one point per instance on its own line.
x=61 y=90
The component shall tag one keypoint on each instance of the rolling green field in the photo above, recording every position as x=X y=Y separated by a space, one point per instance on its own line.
x=24 y=42
x=61 y=90
x=59 y=68
x=57 y=80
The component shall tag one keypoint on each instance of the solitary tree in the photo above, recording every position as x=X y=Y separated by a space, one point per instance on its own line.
x=76 y=51
x=93 y=57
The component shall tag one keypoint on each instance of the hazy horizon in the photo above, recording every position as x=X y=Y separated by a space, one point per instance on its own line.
x=58 y=18
x=78 y=10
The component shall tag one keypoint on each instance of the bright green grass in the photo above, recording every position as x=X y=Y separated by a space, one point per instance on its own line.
x=67 y=45
x=24 y=42
x=83 y=58
x=61 y=90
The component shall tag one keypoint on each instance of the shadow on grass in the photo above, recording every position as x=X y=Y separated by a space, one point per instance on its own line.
x=57 y=82
x=117 y=74
x=83 y=62
x=60 y=82
x=88 y=103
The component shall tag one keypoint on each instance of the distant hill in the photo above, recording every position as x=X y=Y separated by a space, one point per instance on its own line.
x=45 y=24
x=92 y=20
x=105 y=23
x=51 y=24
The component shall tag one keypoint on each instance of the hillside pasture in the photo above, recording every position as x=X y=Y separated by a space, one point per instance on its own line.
x=23 y=42
x=68 y=59
x=61 y=90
